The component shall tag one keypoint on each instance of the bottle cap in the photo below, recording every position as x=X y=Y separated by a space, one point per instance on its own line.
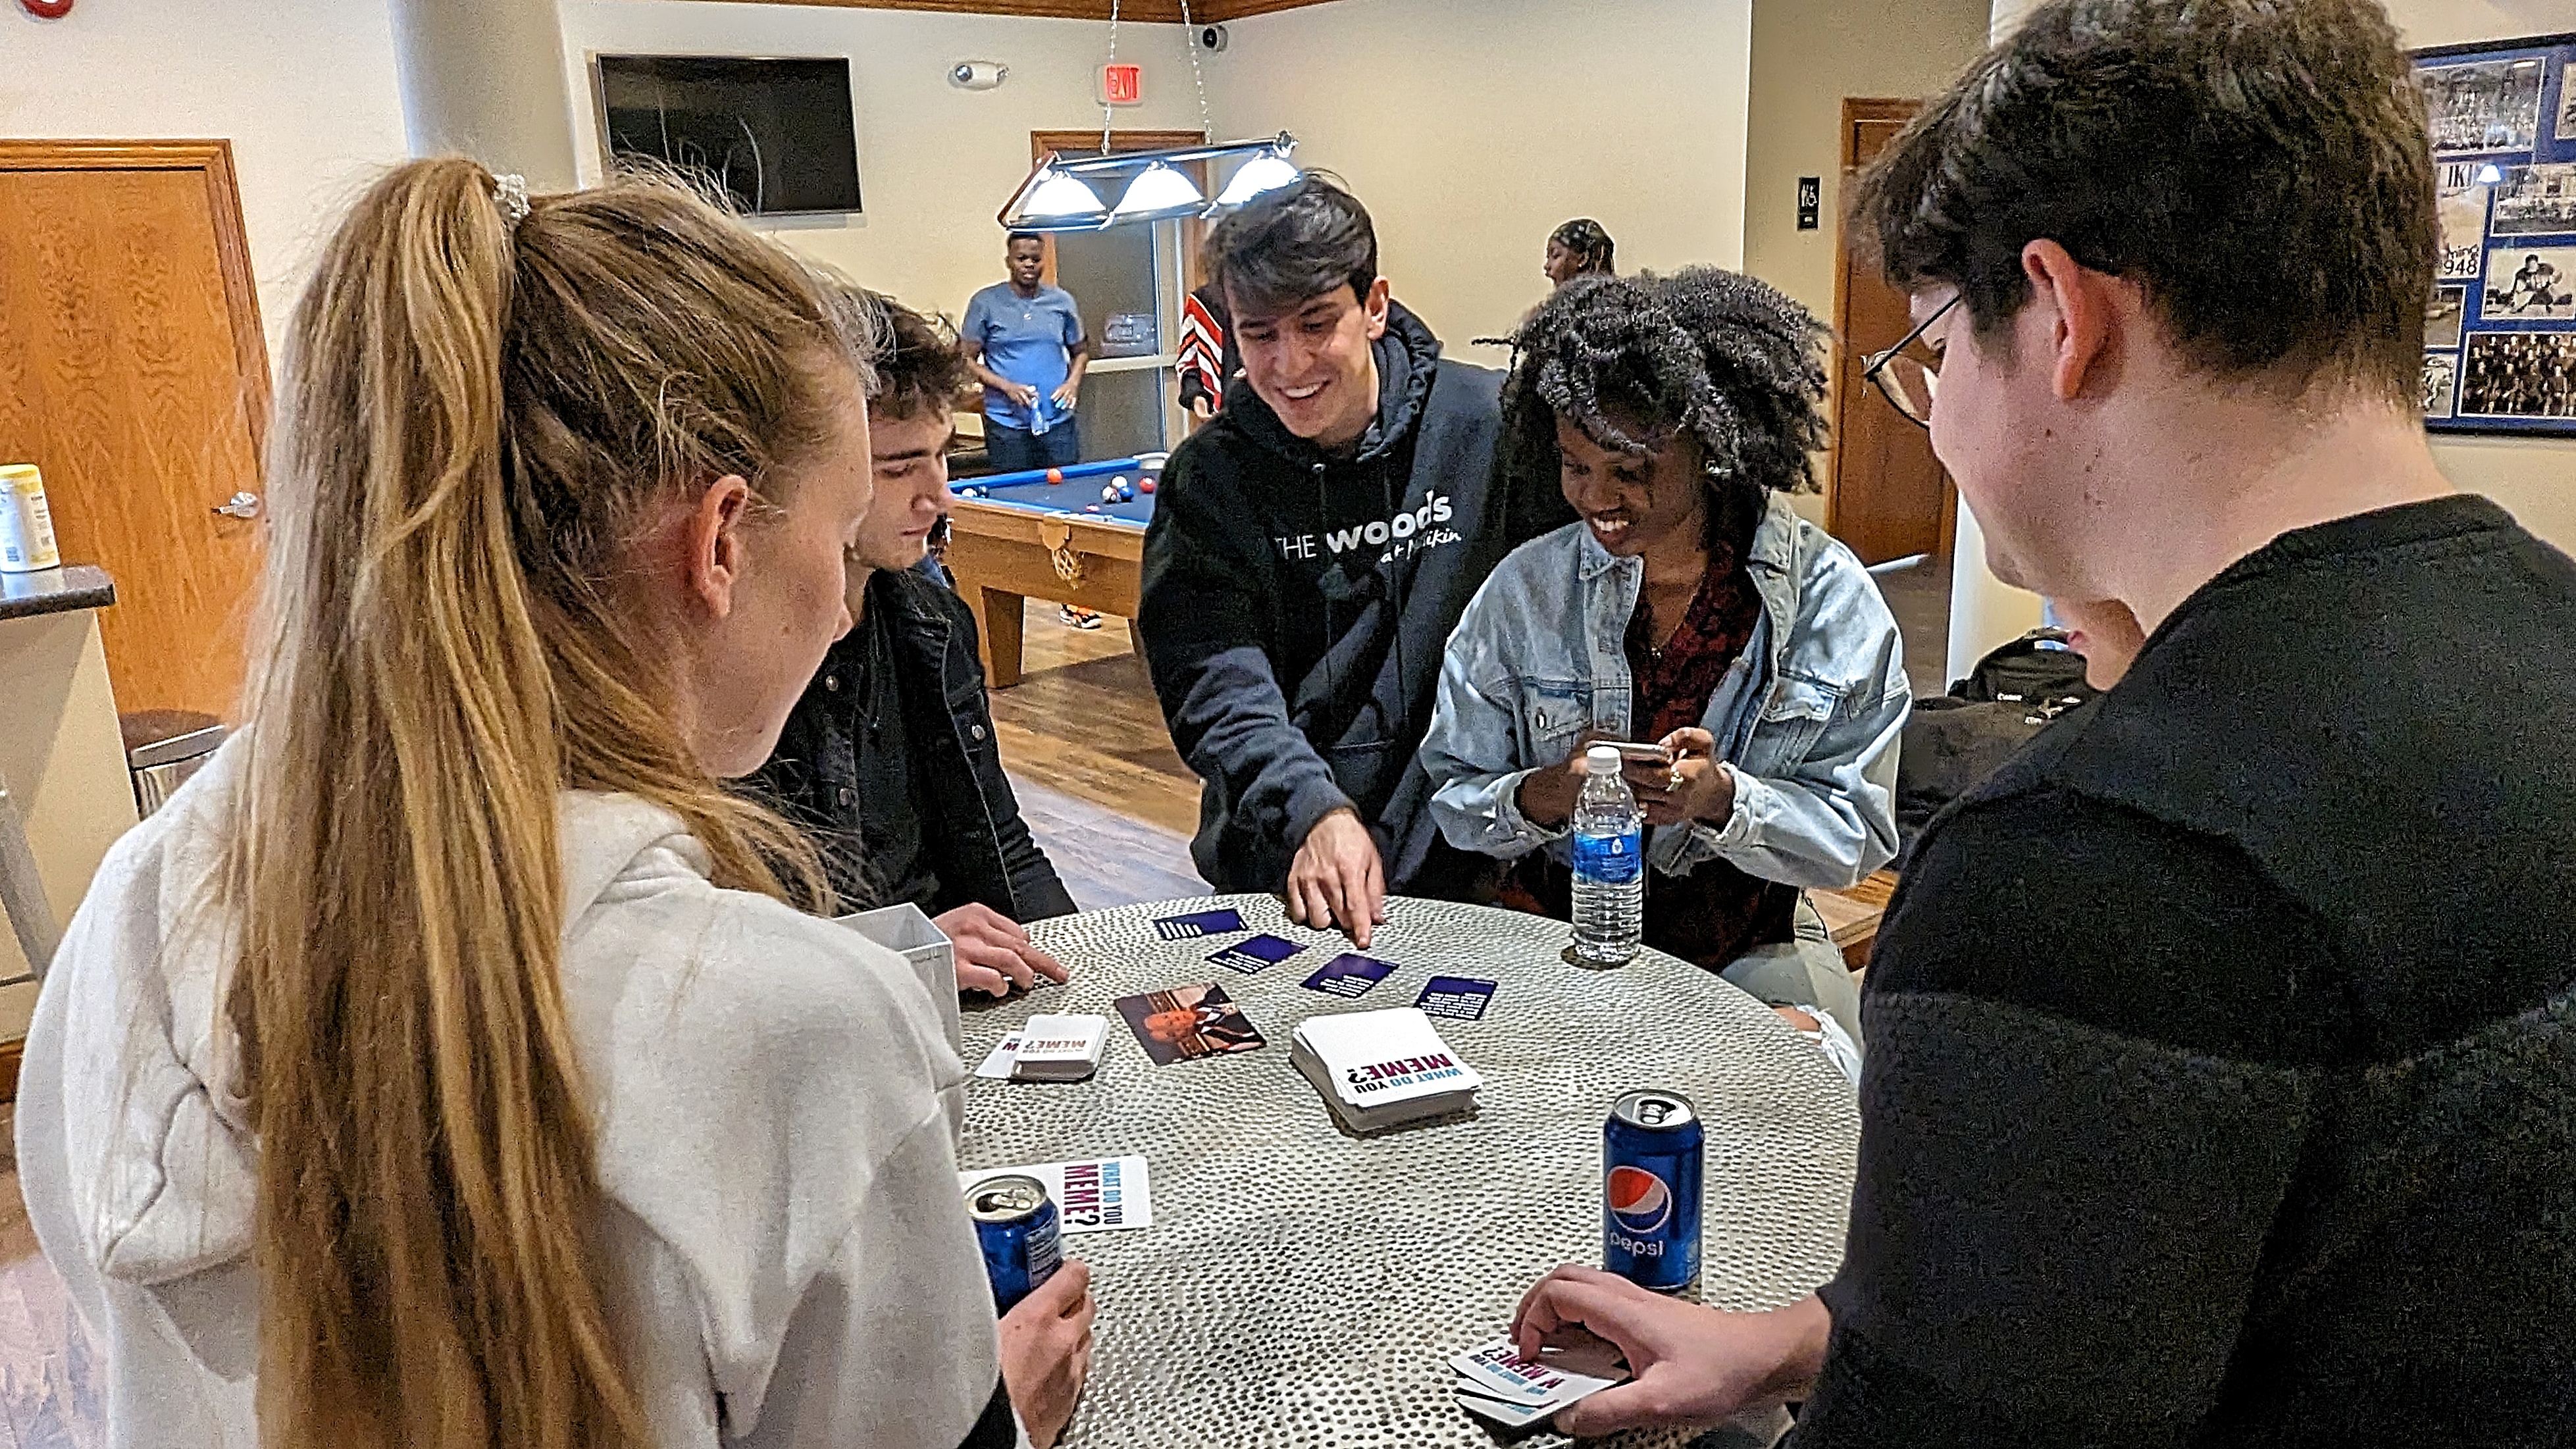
x=1601 y=760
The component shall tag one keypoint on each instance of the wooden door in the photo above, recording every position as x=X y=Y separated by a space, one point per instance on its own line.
x=134 y=373
x=1887 y=496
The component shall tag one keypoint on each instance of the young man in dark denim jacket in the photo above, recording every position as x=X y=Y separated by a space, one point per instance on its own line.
x=889 y=759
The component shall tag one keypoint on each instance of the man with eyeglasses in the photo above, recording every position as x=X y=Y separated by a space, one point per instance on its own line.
x=2222 y=1083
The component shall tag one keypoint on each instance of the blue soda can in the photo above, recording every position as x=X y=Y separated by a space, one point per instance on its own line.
x=1015 y=1221
x=1650 y=1180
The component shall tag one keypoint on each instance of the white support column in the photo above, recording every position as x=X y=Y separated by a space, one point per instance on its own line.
x=1984 y=610
x=486 y=79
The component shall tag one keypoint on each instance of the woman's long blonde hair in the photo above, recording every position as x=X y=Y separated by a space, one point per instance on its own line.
x=477 y=420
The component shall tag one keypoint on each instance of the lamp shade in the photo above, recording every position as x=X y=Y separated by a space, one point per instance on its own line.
x=1266 y=172
x=1158 y=191
x=1059 y=195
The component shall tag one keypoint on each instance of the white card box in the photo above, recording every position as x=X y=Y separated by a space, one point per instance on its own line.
x=1060 y=1048
x=908 y=933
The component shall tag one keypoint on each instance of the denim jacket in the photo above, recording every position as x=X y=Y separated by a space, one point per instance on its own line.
x=1808 y=717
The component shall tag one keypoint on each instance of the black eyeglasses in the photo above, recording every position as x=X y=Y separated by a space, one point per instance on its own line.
x=1906 y=381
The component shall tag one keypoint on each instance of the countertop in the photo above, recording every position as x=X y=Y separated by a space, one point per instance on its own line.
x=52 y=591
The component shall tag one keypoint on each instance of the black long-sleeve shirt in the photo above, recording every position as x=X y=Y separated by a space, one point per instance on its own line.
x=889 y=762
x=2222 y=1075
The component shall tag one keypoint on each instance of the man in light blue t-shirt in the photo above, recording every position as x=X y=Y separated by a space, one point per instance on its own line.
x=1024 y=339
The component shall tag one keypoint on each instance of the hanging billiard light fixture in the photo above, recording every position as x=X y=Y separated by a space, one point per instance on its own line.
x=1063 y=193
x=1059 y=195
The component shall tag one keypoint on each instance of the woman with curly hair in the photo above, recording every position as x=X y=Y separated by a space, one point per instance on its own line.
x=1690 y=606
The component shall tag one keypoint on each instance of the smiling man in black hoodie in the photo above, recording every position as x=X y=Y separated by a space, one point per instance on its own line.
x=1310 y=552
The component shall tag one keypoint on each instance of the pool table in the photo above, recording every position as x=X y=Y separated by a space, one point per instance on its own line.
x=1016 y=536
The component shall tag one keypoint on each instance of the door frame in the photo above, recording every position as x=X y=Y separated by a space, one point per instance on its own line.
x=1848 y=386
x=1042 y=142
x=213 y=159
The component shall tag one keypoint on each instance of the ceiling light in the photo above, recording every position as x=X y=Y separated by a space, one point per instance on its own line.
x=1266 y=172
x=1158 y=192
x=1061 y=193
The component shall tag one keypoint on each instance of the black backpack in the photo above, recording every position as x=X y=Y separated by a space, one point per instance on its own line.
x=1955 y=740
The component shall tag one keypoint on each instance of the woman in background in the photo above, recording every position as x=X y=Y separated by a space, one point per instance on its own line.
x=1580 y=248
x=443 y=1067
x=1688 y=606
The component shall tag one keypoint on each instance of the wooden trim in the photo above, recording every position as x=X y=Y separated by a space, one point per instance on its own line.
x=214 y=159
x=1844 y=376
x=1148 y=12
x=1221 y=10
x=12 y=1055
x=1088 y=140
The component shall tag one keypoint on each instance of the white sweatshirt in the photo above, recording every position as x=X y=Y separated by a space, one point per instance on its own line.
x=771 y=1095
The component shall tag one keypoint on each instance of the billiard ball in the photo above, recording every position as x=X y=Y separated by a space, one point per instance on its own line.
x=1148 y=485
x=1091 y=508
x=1055 y=475
x=1109 y=493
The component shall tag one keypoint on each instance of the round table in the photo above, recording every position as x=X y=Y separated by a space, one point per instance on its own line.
x=1302 y=1286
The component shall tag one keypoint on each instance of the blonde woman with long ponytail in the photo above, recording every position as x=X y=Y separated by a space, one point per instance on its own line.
x=445 y=1066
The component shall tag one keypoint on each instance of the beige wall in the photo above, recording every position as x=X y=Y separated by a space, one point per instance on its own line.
x=1472 y=128
x=2534 y=478
x=935 y=162
x=304 y=89
x=1808 y=56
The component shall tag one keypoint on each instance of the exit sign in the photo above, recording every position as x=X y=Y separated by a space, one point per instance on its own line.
x=1122 y=85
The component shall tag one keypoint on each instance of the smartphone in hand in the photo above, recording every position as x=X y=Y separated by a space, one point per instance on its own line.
x=1643 y=751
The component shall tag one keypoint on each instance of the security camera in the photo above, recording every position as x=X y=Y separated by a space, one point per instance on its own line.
x=978 y=75
x=1212 y=38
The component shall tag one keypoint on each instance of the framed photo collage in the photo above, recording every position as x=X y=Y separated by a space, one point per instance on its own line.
x=2500 y=329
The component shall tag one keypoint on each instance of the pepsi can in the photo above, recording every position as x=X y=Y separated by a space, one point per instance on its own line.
x=1650 y=1179
x=1015 y=1221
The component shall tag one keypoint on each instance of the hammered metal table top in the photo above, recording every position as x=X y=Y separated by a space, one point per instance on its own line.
x=1305 y=1287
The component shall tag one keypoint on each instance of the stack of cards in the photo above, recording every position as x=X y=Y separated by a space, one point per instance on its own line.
x=1057 y=1048
x=1496 y=1383
x=1379 y=1069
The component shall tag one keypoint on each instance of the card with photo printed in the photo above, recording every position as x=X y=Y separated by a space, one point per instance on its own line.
x=1254 y=952
x=1459 y=998
x=1348 y=974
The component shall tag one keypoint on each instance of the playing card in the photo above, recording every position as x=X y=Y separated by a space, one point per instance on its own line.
x=1093 y=1195
x=1501 y=1411
x=1533 y=1389
x=1496 y=1372
x=1199 y=923
x=1188 y=1022
x=1002 y=1059
x=1348 y=974
x=1254 y=952
x=1459 y=998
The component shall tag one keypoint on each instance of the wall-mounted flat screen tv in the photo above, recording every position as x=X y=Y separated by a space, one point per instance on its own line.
x=776 y=134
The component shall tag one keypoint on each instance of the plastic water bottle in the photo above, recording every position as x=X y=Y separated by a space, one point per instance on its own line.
x=1609 y=864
